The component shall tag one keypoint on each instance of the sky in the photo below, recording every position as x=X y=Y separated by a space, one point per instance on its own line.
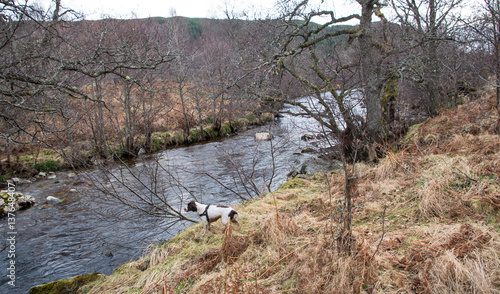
x=96 y=9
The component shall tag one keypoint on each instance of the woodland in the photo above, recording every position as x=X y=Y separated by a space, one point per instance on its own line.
x=76 y=92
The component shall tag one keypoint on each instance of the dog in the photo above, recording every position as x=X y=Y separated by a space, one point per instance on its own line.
x=210 y=213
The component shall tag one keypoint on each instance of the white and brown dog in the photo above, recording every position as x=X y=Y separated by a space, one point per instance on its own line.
x=210 y=213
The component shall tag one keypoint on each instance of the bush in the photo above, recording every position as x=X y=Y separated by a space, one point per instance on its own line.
x=48 y=166
x=178 y=139
x=251 y=117
x=211 y=133
x=194 y=135
x=158 y=143
x=226 y=129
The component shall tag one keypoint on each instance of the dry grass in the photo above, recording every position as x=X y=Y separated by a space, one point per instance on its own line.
x=425 y=220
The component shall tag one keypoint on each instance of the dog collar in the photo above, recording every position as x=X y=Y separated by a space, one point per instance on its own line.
x=205 y=212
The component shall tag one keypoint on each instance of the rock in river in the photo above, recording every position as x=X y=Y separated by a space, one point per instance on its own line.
x=263 y=136
x=53 y=200
x=11 y=201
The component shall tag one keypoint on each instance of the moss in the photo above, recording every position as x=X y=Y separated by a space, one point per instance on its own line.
x=294 y=183
x=64 y=286
x=390 y=91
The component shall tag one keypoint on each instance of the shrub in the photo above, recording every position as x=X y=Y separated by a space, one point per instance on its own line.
x=211 y=133
x=48 y=166
x=226 y=129
x=251 y=117
x=194 y=135
x=178 y=139
x=158 y=143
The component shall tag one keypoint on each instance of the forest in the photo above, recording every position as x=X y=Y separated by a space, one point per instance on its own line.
x=76 y=92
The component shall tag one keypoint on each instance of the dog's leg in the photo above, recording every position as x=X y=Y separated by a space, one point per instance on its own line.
x=206 y=226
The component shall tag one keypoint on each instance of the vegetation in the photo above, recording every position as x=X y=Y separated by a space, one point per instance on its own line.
x=88 y=92
x=63 y=286
x=426 y=220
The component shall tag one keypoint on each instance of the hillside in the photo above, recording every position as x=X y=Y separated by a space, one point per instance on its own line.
x=426 y=220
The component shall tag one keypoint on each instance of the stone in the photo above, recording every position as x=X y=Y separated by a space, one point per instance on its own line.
x=141 y=151
x=19 y=181
x=26 y=201
x=42 y=174
x=307 y=137
x=263 y=136
x=53 y=200
x=51 y=175
x=307 y=150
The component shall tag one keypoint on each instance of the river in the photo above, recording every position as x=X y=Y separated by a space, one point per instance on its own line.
x=89 y=233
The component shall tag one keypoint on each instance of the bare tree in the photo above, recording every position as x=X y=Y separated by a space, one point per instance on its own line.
x=485 y=27
x=427 y=26
x=47 y=63
x=311 y=54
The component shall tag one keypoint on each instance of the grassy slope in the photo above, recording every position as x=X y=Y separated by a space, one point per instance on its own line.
x=426 y=219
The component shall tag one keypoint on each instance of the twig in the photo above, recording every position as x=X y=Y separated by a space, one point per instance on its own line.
x=470 y=241
x=332 y=216
x=383 y=232
x=363 y=274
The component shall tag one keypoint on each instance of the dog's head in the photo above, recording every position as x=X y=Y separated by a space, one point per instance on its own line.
x=191 y=206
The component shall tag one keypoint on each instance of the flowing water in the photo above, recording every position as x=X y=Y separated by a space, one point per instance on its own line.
x=89 y=233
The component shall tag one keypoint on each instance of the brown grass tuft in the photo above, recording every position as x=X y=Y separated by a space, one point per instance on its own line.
x=277 y=228
x=460 y=239
x=396 y=164
x=450 y=274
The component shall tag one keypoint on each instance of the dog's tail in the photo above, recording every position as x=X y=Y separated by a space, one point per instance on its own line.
x=233 y=215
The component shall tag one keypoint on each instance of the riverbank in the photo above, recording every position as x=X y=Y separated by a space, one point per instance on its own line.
x=425 y=219
x=30 y=163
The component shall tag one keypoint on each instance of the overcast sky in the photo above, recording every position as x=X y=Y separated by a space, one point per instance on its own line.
x=95 y=9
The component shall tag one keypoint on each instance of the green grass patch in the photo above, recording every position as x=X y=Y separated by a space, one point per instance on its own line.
x=48 y=166
x=251 y=117
x=295 y=183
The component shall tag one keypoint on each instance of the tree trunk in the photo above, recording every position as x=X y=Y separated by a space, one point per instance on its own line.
x=432 y=67
x=371 y=75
